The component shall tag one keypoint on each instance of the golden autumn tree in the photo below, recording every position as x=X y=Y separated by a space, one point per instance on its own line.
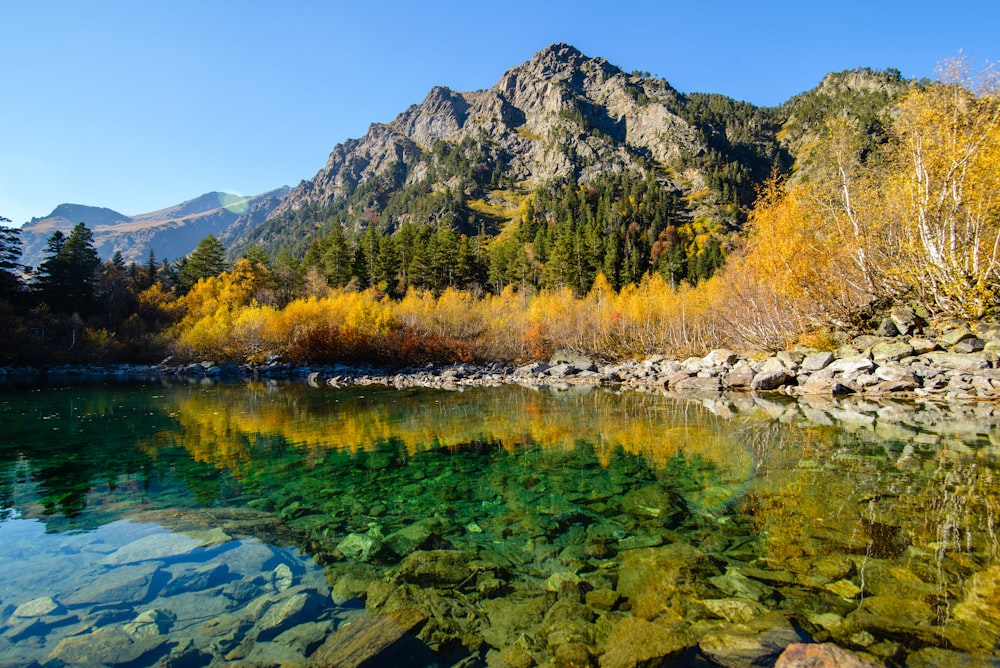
x=942 y=196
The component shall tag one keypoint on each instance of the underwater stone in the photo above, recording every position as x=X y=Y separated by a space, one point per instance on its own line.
x=636 y=642
x=359 y=546
x=735 y=610
x=157 y=546
x=436 y=567
x=38 y=607
x=411 y=538
x=124 y=585
x=150 y=623
x=371 y=641
x=735 y=583
x=827 y=655
x=196 y=579
x=281 y=577
x=109 y=645
x=982 y=600
x=653 y=502
x=740 y=650
x=285 y=614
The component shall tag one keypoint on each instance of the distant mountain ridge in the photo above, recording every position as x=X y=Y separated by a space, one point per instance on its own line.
x=170 y=233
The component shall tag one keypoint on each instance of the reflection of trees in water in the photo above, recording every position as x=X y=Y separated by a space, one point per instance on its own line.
x=909 y=522
x=226 y=428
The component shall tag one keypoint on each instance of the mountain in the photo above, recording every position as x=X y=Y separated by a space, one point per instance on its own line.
x=560 y=117
x=170 y=233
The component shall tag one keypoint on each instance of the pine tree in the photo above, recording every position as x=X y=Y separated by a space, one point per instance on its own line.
x=205 y=261
x=67 y=277
x=10 y=254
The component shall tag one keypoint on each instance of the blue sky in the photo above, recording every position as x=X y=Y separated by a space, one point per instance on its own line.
x=141 y=104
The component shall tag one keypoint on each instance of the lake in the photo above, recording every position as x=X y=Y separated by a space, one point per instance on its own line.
x=267 y=524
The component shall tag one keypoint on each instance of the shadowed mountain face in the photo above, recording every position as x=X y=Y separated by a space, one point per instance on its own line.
x=170 y=233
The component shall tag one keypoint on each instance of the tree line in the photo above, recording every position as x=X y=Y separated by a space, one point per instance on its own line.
x=615 y=267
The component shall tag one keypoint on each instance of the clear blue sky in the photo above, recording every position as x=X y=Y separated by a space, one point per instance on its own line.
x=140 y=104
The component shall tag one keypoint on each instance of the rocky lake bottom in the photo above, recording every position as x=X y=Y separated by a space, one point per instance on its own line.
x=264 y=525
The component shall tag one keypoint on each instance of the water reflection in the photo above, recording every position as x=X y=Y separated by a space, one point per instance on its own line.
x=529 y=523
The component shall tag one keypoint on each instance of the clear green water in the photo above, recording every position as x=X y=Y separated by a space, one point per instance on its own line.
x=190 y=524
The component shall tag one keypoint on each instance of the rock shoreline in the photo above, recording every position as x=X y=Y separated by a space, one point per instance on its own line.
x=958 y=363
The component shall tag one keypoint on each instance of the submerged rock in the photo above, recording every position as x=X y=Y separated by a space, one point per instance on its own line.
x=436 y=567
x=810 y=655
x=110 y=646
x=635 y=643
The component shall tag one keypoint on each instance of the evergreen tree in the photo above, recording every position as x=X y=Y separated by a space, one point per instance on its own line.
x=208 y=259
x=67 y=277
x=10 y=254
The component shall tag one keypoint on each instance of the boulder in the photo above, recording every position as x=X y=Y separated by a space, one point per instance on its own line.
x=741 y=375
x=853 y=364
x=771 y=374
x=572 y=358
x=905 y=319
x=891 y=351
x=816 y=361
x=697 y=384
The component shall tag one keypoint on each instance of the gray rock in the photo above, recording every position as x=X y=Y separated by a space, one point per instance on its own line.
x=816 y=361
x=720 y=357
x=852 y=364
x=772 y=380
x=888 y=328
x=283 y=615
x=891 y=351
x=771 y=374
x=824 y=382
x=572 y=358
x=697 y=384
x=969 y=345
x=741 y=375
x=126 y=585
x=956 y=361
x=562 y=370
x=953 y=337
x=905 y=319
x=157 y=546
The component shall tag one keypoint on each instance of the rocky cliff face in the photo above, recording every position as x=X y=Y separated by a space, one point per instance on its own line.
x=560 y=114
